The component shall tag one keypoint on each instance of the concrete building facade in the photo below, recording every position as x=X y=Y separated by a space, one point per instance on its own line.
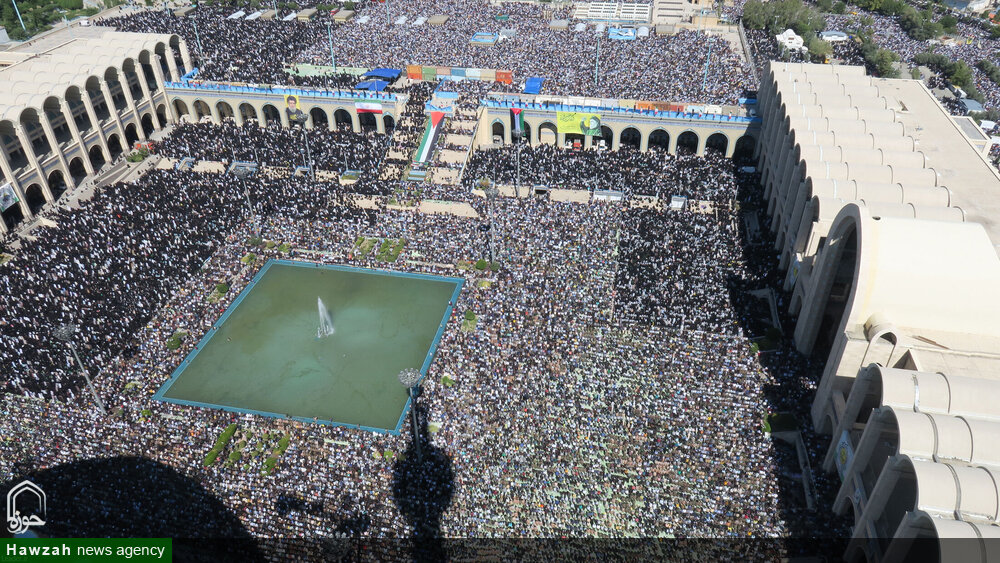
x=193 y=101
x=884 y=212
x=729 y=133
x=69 y=110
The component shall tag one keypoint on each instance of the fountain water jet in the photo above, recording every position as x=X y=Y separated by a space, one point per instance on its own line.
x=325 y=322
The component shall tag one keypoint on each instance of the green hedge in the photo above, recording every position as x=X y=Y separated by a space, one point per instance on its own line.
x=283 y=444
x=481 y=264
x=211 y=457
x=470 y=316
x=222 y=288
x=224 y=438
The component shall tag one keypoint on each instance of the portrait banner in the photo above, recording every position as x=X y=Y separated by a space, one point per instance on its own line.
x=295 y=114
x=578 y=122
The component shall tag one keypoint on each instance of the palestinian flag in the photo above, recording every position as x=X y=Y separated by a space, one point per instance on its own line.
x=429 y=140
x=8 y=197
x=368 y=107
x=518 y=121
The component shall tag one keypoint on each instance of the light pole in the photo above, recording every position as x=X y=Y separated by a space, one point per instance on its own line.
x=329 y=35
x=65 y=333
x=597 y=60
x=197 y=38
x=253 y=213
x=491 y=195
x=708 y=60
x=18 y=12
x=308 y=156
x=410 y=378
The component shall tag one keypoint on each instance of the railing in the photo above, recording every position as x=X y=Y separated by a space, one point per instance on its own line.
x=629 y=111
x=300 y=92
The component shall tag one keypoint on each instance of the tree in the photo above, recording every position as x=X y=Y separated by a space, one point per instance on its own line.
x=824 y=5
x=948 y=23
x=893 y=7
x=819 y=50
x=961 y=74
x=754 y=16
x=884 y=63
x=840 y=7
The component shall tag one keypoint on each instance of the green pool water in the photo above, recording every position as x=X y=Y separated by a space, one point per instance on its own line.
x=264 y=356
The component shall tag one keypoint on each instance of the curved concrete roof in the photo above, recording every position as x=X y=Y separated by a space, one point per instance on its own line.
x=910 y=272
x=946 y=489
x=30 y=81
x=938 y=393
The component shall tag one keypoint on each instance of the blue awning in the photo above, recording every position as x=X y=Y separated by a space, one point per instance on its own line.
x=533 y=85
x=373 y=85
x=387 y=73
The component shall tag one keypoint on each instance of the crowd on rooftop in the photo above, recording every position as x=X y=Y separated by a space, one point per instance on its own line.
x=688 y=66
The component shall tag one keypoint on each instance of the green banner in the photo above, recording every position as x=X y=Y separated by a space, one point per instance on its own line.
x=579 y=122
x=96 y=550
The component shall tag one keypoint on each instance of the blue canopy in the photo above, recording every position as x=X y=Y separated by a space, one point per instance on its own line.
x=387 y=73
x=373 y=85
x=972 y=105
x=533 y=85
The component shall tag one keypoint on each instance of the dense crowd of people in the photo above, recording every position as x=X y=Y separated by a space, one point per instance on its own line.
x=969 y=44
x=335 y=150
x=653 y=173
x=686 y=67
x=609 y=370
x=593 y=397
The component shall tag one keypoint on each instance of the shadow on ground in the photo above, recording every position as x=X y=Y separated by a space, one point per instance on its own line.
x=422 y=489
x=134 y=497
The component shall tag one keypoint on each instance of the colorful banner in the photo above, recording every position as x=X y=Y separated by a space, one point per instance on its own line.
x=8 y=197
x=578 y=122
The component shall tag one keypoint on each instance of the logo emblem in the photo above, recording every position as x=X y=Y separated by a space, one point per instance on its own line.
x=26 y=490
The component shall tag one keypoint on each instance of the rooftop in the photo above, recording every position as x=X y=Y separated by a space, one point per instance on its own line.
x=975 y=184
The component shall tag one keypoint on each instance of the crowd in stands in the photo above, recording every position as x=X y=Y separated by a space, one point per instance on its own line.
x=336 y=151
x=651 y=173
x=685 y=67
x=581 y=406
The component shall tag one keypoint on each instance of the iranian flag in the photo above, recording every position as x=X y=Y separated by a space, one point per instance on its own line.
x=518 y=120
x=367 y=107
